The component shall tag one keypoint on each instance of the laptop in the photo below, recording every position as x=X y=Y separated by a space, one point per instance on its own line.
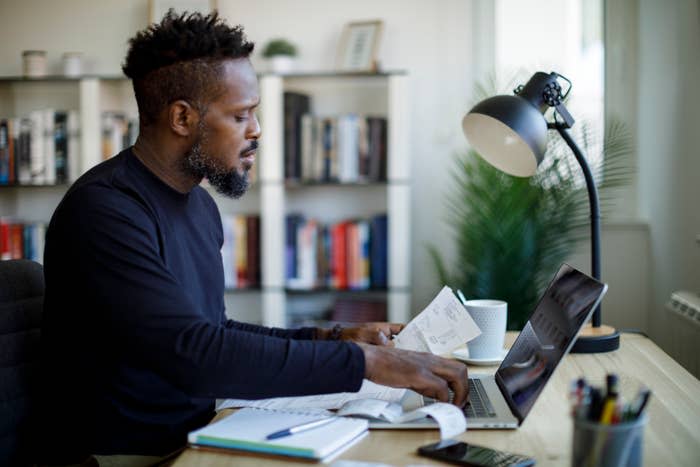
x=503 y=400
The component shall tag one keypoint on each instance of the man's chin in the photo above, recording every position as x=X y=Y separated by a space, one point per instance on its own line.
x=232 y=188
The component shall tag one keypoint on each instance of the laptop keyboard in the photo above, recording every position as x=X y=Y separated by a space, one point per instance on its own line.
x=479 y=405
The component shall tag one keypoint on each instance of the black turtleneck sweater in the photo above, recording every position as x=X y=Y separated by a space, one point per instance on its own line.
x=136 y=344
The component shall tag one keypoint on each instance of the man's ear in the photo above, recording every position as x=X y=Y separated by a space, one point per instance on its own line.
x=182 y=118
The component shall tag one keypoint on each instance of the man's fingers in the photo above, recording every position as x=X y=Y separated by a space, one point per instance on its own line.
x=395 y=328
x=380 y=338
x=456 y=376
x=436 y=388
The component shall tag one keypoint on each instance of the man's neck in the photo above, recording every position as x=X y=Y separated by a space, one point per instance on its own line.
x=164 y=164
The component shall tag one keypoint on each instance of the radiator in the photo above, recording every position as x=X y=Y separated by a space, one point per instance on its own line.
x=684 y=329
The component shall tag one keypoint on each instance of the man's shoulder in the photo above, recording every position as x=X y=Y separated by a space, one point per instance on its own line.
x=101 y=195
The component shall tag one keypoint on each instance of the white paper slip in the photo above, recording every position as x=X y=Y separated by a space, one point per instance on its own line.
x=440 y=328
x=372 y=408
x=449 y=418
x=369 y=390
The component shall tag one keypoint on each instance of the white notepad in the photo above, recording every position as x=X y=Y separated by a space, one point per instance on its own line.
x=248 y=428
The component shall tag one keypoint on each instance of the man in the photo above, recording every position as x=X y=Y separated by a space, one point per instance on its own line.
x=136 y=342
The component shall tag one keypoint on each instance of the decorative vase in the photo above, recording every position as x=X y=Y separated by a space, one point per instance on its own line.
x=281 y=63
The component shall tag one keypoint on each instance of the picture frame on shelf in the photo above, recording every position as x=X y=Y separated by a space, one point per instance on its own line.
x=158 y=8
x=359 y=45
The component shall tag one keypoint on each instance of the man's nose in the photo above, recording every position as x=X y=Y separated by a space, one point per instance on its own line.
x=253 y=130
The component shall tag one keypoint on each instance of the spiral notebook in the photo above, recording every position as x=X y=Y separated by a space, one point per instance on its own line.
x=247 y=429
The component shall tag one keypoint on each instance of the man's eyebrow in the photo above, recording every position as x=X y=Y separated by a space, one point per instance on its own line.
x=250 y=106
x=255 y=103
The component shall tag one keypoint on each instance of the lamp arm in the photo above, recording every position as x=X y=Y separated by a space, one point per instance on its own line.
x=594 y=207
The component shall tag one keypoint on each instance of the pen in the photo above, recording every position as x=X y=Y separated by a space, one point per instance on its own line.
x=611 y=400
x=645 y=398
x=302 y=427
x=461 y=297
x=595 y=406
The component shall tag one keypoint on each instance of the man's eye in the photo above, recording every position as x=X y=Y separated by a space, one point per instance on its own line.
x=240 y=118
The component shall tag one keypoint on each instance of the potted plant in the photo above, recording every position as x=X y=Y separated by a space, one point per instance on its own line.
x=280 y=53
x=513 y=233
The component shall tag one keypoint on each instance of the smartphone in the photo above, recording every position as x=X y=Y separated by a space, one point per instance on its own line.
x=460 y=453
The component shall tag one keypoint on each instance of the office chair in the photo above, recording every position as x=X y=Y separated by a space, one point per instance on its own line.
x=21 y=302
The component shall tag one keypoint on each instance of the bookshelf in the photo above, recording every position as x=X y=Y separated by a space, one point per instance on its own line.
x=383 y=94
x=81 y=101
x=271 y=196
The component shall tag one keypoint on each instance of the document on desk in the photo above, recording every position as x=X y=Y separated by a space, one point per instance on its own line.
x=440 y=328
x=449 y=417
x=369 y=390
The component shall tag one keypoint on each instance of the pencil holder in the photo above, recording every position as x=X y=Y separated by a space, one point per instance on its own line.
x=599 y=445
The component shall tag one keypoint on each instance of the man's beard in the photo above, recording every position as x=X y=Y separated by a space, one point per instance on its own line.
x=201 y=165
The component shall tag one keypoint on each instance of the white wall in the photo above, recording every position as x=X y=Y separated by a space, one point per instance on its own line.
x=669 y=175
x=99 y=29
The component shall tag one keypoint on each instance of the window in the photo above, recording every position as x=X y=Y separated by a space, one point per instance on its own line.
x=565 y=36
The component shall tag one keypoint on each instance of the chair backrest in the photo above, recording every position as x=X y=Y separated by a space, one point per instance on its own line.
x=21 y=303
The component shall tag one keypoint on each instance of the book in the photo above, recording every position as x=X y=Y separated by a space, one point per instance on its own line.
x=37 y=161
x=308 y=146
x=228 y=252
x=23 y=154
x=60 y=143
x=248 y=428
x=253 y=250
x=73 y=135
x=378 y=252
x=348 y=148
x=240 y=235
x=295 y=106
x=377 y=127
x=49 y=146
x=4 y=152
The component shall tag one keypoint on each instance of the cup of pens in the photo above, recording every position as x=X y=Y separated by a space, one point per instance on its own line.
x=608 y=431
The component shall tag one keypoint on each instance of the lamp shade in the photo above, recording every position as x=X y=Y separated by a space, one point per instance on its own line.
x=509 y=132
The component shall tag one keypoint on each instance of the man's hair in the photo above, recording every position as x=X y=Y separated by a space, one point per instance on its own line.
x=180 y=58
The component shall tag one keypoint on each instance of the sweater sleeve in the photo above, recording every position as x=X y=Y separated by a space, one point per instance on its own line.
x=140 y=303
x=300 y=333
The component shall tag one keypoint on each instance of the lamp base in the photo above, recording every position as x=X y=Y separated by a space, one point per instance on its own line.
x=597 y=340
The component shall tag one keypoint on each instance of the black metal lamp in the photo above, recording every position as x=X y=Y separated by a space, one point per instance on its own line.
x=510 y=132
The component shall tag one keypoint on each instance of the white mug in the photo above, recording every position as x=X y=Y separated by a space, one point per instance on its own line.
x=491 y=317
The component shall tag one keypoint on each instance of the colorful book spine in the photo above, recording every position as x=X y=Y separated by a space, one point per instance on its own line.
x=4 y=153
x=21 y=240
x=240 y=251
x=40 y=148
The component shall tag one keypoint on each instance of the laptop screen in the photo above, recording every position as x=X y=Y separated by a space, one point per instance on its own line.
x=547 y=337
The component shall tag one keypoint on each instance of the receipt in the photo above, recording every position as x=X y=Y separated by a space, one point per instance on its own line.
x=450 y=418
x=372 y=408
x=440 y=328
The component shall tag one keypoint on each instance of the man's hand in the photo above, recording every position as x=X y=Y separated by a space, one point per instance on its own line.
x=422 y=372
x=369 y=333
x=372 y=333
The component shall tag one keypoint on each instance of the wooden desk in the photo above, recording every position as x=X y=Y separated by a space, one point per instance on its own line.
x=671 y=438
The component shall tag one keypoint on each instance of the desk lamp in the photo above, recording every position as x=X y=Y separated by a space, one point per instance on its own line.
x=510 y=133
